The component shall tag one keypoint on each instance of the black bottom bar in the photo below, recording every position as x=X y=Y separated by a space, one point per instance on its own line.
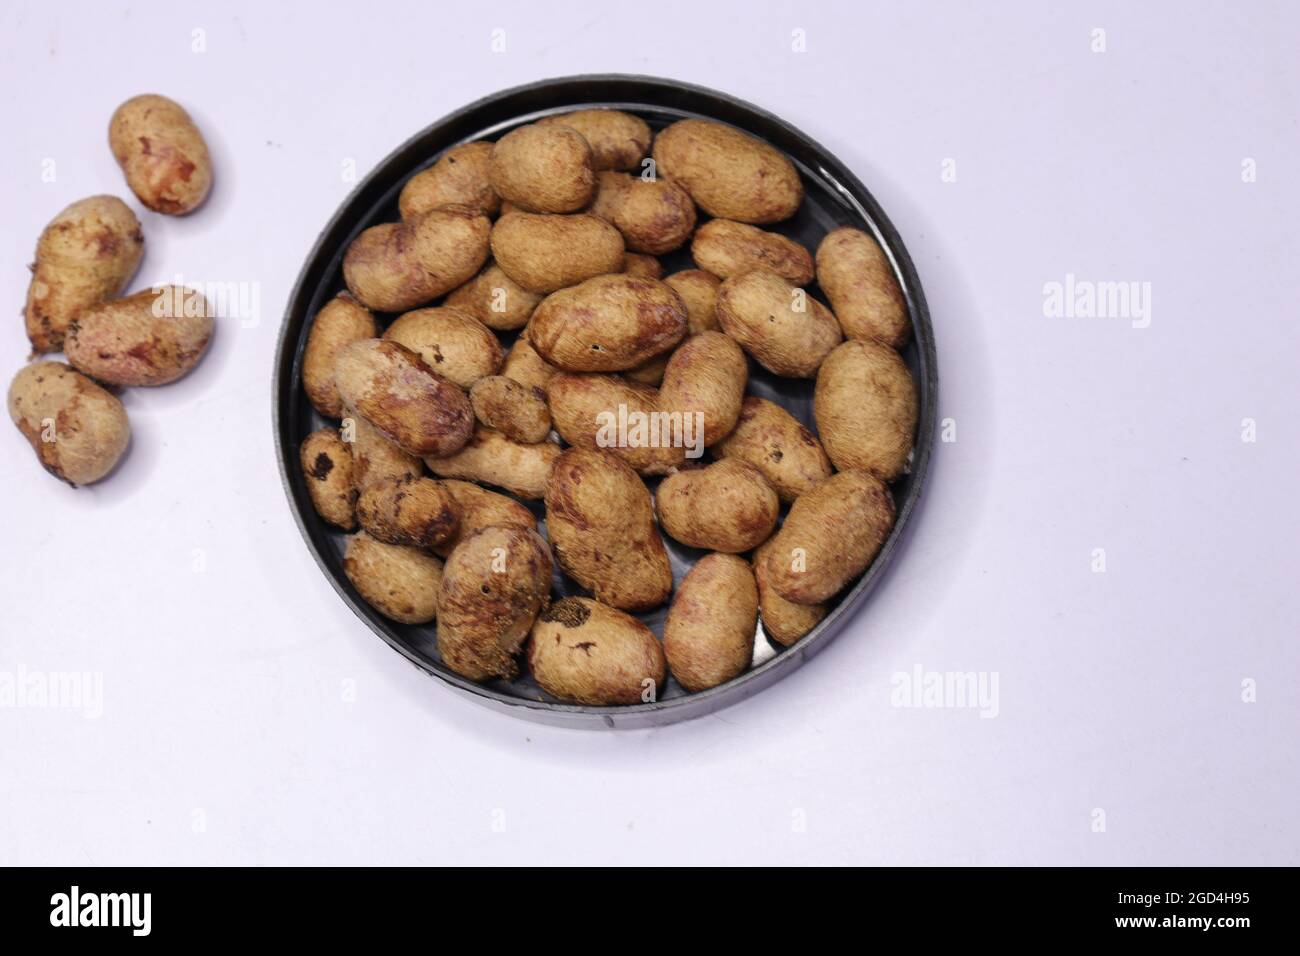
x=338 y=906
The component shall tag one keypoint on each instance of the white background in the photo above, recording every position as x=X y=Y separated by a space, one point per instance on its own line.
x=227 y=735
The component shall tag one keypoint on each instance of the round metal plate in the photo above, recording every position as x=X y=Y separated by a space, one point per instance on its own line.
x=834 y=197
